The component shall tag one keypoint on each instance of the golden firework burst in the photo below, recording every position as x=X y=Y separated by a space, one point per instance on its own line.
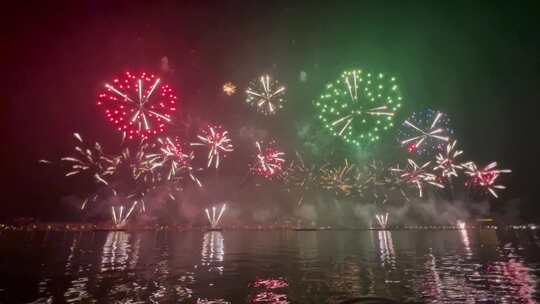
x=229 y=88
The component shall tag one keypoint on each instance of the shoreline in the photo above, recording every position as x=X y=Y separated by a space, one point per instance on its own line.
x=90 y=227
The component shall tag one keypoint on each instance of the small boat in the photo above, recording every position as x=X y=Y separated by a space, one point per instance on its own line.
x=306 y=229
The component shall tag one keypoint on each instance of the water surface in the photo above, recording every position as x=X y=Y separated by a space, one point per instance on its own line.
x=473 y=266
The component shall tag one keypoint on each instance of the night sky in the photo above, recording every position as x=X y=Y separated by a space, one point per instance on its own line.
x=479 y=64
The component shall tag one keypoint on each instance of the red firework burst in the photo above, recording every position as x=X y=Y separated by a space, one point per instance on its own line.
x=139 y=105
x=484 y=178
x=268 y=162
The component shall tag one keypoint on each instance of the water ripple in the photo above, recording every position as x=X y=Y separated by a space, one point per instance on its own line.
x=271 y=267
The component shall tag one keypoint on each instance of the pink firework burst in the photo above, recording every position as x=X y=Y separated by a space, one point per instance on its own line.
x=139 y=105
x=218 y=142
x=484 y=178
x=417 y=175
x=269 y=161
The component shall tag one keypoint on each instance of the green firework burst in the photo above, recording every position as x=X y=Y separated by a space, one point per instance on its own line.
x=359 y=106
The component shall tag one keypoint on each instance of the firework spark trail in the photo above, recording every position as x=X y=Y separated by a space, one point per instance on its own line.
x=373 y=180
x=218 y=142
x=266 y=95
x=382 y=219
x=425 y=134
x=417 y=175
x=138 y=165
x=137 y=111
x=136 y=176
x=301 y=176
x=397 y=182
x=359 y=106
x=353 y=94
x=92 y=198
x=172 y=156
x=268 y=161
x=338 y=179
x=91 y=160
x=215 y=218
x=446 y=163
x=484 y=178
x=424 y=131
x=119 y=218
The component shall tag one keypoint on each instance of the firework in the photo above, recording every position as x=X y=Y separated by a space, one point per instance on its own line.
x=172 y=156
x=266 y=95
x=425 y=132
x=91 y=198
x=417 y=175
x=138 y=105
x=359 y=106
x=218 y=142
x=382 y=219
x=135 y=176
x=395 y=182
x=216 y=215
x=484 y=178
x=301 y=176
x=373 y=180
x=376 y=183
x=446 y=162
x=137 y=164
x=379 y=184
x=90 y=159
x=229 y=88
x=268 y=162
x=339 y=179
x=120 y=215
